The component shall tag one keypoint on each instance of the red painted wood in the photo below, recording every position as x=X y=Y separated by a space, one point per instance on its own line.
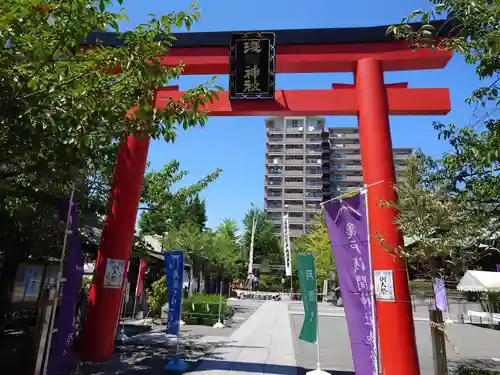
x=398 y=85
x=398 y=350
x=324 y=58
x=338 y=102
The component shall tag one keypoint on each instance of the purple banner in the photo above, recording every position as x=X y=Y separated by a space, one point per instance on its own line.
x=440 y=295
x=61 y=352
x=498 y=267
x=348 y=232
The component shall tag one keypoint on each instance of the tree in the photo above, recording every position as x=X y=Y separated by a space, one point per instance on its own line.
x=461 y=190
x=228 y=229
x=63 y=108
x=195 y=212
x=317 y=243
x=166 y=209
x=266 y=243
x=218 y=253
x=438 y=223
x=230 y=257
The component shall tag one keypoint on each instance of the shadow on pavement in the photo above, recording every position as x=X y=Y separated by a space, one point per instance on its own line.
x=303 y=371
x=259 y=368
x=246 y=367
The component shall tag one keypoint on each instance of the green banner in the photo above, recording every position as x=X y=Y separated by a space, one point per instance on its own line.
x=307 y=281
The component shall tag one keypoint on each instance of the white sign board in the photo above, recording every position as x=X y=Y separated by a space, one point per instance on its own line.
x=384 y=286
x=286 y=246
x=113 y=276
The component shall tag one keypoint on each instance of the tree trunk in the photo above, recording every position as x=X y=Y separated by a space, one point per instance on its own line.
x=438 y=343
x=437 y=334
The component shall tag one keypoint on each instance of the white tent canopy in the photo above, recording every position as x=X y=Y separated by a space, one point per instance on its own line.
x=480 y=281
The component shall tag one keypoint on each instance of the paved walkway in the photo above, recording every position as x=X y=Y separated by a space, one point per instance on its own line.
x=262 y=345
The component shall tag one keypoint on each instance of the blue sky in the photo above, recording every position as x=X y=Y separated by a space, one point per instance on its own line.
x=237 y=144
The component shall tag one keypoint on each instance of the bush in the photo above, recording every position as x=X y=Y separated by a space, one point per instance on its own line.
x=157 y=296
x=203 y=309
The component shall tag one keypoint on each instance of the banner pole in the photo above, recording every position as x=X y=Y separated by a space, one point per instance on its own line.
x=133 y=308
x=318 y=361
x=60 y=279
x=372 y=290
x=174 y=280
x=219 y=324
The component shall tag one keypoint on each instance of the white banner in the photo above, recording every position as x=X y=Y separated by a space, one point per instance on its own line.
x=286 y=246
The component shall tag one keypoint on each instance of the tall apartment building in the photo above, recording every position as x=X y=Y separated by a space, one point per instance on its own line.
x=305 y=165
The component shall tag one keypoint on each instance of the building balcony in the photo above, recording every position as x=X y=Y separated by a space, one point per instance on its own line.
x=275 y=141
x=275 y=219
x=294 y=151
x=273 y=185
x=273 y=208
x=280 y=130
x=346 y=167
x=314 y=198
x=294 y=184
x=344 y=146
x=273 y=196
x=314 y=161
x=295 y=220
x=312 y=206
x=314 y=139
x=295 y=130
x=293 y=207
x=314 y=171
x=314 y=151
x=294 y=195
x=399 y=157
x=346 y=178
x=343 y=157
x=294 y=162
x=339 y=135
x=275 y=151
x=294 y=233
x=315 y=186
x=293 y=173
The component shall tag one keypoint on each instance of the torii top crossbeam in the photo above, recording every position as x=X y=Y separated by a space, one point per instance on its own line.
x=308 y=51
x=298 y=51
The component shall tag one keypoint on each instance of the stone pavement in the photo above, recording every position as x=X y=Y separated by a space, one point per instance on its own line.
x=475 y=345
x=420 y=313
x=262 y=345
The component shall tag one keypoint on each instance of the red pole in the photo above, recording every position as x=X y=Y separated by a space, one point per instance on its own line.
x=99 y=332
x=398 y=350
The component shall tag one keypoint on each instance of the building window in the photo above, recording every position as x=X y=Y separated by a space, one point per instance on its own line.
x=338 y=177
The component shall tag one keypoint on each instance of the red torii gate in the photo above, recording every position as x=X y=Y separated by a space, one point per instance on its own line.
x=367 y=53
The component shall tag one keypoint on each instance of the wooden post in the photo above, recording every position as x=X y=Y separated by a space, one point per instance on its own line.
x=438 y=342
